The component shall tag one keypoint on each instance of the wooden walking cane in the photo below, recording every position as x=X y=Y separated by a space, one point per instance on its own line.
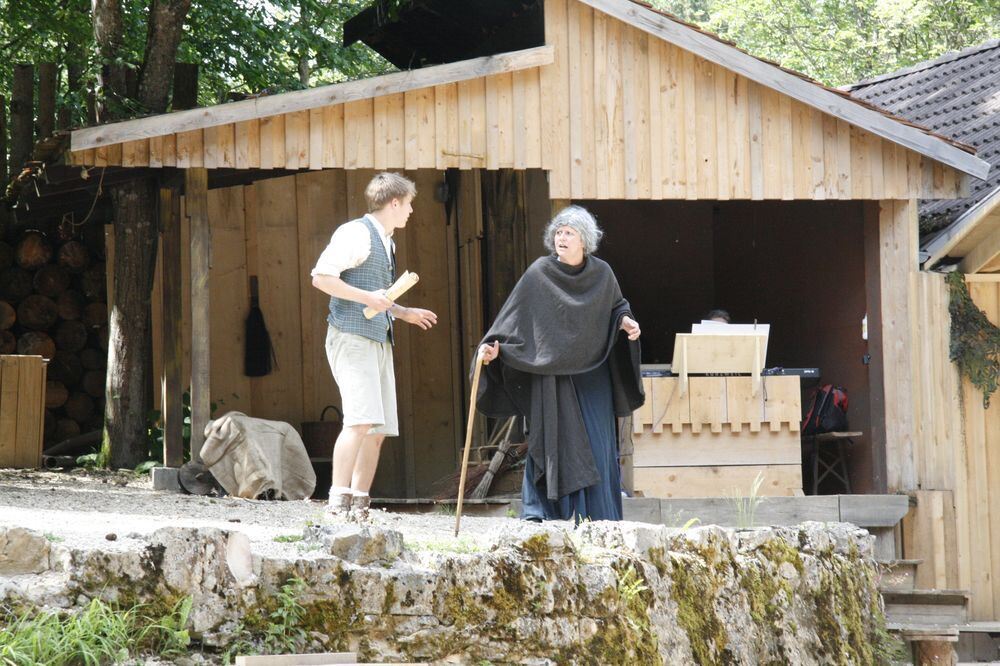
x=468 y=438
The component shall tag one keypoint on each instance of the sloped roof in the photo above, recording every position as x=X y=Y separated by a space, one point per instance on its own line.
x=956 y=95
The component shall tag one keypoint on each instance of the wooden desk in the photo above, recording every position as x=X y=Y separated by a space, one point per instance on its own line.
x=714 y=440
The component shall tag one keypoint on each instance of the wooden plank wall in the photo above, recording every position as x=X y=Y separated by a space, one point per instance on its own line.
x=276 y=229
x=953 y=526
x=980 y=490
x=22 y=410
x=625 y=116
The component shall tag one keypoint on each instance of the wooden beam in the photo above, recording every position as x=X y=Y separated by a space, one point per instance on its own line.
x=196 y=204
x=951 y=237
x=792 y=85
x=302 y=100
x=173 y=348
x=898 y=252
x=986 y=249
x=876 y=362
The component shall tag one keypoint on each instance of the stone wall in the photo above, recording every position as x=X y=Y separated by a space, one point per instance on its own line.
x=607 y=593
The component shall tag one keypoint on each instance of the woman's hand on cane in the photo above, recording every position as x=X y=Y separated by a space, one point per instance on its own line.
x=489 y=352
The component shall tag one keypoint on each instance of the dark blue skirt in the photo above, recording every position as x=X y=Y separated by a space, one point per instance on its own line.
x=602 y=501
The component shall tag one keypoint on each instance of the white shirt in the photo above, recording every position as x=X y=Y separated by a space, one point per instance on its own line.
x=349 y=247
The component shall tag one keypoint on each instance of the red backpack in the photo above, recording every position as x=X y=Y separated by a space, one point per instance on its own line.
x=828 y=411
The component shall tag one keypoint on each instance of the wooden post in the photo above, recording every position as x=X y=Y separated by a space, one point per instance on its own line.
x=196 y=203
x=173 y=349
x=21 y=121
x=185 y=86
x=46 y=99
x=74 y=73
x=876 y=364
x=936 y=653
x=898 y=264
x=558 y=205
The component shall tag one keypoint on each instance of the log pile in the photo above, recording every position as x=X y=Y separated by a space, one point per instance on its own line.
x=53 y=303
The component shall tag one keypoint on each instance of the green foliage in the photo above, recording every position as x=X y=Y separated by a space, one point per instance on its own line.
x=278 y=631
x=100 y=633
x=975 y=340
x=842 y=41
x=287 y=538
x=243 y=46
x=89 y=460
x=154 y=428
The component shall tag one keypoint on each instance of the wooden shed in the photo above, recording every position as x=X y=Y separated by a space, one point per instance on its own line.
x=720 y=179
x=956 y=476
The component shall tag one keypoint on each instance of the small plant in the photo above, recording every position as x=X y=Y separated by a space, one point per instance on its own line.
x=746 y=505
x=143 y=468
x=89 y=460
x=511 y=513
x=633 y=592
x=459 y=545
x=677 y=521
x=287 y=538
x=282 y=631
x=445 y=509
x=154 y=427
x=53 y=538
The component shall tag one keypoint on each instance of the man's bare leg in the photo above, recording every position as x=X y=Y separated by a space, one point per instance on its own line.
x=366 y=463
x=345 y=454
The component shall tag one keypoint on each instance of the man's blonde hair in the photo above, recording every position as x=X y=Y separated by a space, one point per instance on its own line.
x=387 y=186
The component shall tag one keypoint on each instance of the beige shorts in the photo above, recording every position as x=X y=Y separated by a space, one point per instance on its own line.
x=364 y=374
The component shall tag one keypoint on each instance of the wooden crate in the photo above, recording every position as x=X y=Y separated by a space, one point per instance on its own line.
x=714 y=439
x=22 y=410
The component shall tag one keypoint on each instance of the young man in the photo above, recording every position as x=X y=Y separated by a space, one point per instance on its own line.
x=355 y=269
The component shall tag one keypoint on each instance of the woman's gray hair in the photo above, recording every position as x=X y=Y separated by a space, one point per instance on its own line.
x=580 y=219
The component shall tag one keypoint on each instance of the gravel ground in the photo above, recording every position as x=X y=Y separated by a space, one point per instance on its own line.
x=113 y=510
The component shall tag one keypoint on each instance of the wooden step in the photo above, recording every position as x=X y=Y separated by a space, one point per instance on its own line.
x=926 y=607
x=898 y=575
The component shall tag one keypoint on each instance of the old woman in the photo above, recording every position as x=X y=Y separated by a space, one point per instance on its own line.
x=563 y=354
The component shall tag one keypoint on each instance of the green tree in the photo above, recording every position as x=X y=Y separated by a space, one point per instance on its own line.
x=120 y=55
x=842 y=41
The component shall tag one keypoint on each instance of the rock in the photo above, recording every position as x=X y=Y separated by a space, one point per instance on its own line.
x=23 y=552
x=531 y=594
x=357 y=543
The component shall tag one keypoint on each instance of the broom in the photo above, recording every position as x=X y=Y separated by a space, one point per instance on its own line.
x=259 y=358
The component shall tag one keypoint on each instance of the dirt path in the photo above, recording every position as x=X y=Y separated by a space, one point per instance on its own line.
x=114 y=510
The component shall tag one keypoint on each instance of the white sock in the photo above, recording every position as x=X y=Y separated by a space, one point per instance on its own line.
x=340 y=490
x=359 y=493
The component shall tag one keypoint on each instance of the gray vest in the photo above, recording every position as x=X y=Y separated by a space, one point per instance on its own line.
x=376 y=272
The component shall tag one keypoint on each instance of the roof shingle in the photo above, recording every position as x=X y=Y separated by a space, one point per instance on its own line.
x=957 y=95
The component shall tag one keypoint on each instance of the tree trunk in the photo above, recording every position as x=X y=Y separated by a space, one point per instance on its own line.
x=130 y=345
x=22 y=110
x=134 y=205
x=166 y=19
x=46 y=99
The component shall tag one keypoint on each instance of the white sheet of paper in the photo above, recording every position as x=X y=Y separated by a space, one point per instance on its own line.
x=720 y=328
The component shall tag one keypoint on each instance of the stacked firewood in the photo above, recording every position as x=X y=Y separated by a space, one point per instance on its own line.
x=53 y=303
